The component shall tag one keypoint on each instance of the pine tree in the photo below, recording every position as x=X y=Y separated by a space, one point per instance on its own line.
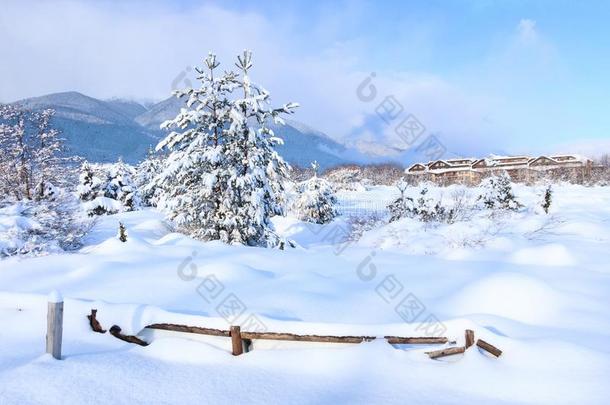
x=316 y=201
x=90 y=185
x=122 y=233
x=548 y=196
x=145 y=183
x=223 y=180
x=121 y=187
x=498 y=193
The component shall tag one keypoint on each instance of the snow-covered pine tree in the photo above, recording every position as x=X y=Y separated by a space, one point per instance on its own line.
x=316 y=201
x=145 y=175
x=223 y=180
x=498 y=193
x=403 y=205
x=122 y=235
x=547 y=200
x=121 y=187
x=90 y=185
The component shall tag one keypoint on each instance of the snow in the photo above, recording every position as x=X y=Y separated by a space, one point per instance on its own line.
x=55 y=297
x=534 y=285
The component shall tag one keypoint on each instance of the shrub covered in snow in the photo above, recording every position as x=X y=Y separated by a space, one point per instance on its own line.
x=424 y=208
x=316 y=201
x=498 y=193
x=107 y=189
x=347 y=178
x=42 y=227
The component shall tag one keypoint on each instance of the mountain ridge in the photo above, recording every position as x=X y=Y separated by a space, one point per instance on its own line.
x=104 y=130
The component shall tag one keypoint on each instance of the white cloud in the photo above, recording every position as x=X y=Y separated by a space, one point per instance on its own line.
x=139 y=49
x=527 y=30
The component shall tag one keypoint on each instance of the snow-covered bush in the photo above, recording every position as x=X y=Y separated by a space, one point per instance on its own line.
x=316 y=201
x=424 y=208
x=498 y=193
x=223 y=180
x=42 y=227
x=348 y=178
x=106 y=190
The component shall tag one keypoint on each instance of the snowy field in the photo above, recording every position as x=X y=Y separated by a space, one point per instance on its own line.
x=535 y=285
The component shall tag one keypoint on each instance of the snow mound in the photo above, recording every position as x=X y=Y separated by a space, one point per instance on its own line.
x=545 y=255
x=508 y=295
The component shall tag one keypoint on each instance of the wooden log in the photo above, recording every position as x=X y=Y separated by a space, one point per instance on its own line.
x=398 y=340
x=449 y=351
x=55 y=320
x=236 y=341
x=469 y=338
x=305 y=338
x=94 y=323
x=189 y=329
x=489 y=348
x=115 y=331
x=295 y=337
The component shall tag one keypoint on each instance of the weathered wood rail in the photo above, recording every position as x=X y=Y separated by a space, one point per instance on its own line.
x=241 y=341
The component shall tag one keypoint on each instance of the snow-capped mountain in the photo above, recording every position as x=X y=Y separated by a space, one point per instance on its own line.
x=99 y=131
x=103 y=130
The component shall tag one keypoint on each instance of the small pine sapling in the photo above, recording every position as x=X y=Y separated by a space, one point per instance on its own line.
x=546 y=202
x=122 y=232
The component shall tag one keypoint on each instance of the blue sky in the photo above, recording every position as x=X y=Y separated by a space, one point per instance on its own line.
x=484 y=76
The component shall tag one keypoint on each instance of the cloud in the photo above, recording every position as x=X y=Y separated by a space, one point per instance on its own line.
x=140 y=49
x=526 y=30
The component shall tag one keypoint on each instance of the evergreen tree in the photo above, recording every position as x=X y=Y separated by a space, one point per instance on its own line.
x=90 y=184
x=223 y=180
x=121 y=187
x=122 y=233
x=146 y=172
x=498 y=193
x=548 y=196
x=316 y=201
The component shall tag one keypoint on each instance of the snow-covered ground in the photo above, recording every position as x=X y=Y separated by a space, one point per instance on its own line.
x=535 y=285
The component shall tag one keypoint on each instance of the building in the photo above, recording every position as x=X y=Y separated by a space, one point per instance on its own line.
x=519 y=168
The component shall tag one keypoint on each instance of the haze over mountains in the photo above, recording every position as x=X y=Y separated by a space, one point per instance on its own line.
x=103 y=130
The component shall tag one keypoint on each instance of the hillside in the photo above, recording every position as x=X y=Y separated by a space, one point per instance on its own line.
x=101 y=131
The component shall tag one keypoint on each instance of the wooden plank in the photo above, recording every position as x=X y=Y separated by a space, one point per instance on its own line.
x=489 y=348
x=236 y=343
x=296 y=337
x=469 y=338
x=94 y=323
x=55 y=318
x=397 y=340
x=189 y=329
x=115 y=331
x=449 y=351
x=305 y=338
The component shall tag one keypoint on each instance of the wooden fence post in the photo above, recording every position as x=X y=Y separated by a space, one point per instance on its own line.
x=469 y=341
x=236 y=341
x=55 y=322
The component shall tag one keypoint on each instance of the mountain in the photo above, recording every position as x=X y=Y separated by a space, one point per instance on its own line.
x=302 y=144
x=99 y=131
x=103 y=130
